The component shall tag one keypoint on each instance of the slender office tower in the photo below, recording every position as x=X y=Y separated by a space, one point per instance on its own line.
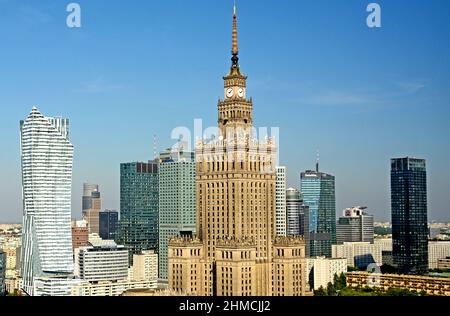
x=319 y=195
x=293 y=211
x=280 y=209
x=409 y=214
x=47 y=157
x=91 y=206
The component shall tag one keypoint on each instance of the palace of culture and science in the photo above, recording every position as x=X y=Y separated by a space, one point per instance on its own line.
x=236 y=251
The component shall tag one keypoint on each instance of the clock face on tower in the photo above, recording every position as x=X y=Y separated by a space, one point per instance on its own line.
x=230 y=92
x=241 y=92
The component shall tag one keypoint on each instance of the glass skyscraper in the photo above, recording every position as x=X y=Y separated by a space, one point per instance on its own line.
x=177 y=211
x=409 y=214
x=138 y=225
x=47 y=157
x=319 y=195
x=108 y=221
x=2 y=272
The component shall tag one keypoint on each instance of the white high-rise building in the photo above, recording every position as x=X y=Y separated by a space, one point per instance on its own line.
x=280 y=198
x=321 y=270
x=47 y=158
x=177 y=203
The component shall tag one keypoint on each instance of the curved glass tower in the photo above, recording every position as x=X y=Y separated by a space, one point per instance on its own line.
x=47 y=158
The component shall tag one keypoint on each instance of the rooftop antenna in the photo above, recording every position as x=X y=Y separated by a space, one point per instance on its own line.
x=317 y=161
x=154 y=147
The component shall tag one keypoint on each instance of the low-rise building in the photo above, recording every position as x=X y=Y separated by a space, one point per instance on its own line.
x=430 y=285
x=153 y=292
x=321 y=270
x=106 y=288
x=13 y=284
x=145 y=266
x=437 y=250
x=54 y=285
x=103 y=260
x=444 y=264
x=359 y=254
x=80 y=234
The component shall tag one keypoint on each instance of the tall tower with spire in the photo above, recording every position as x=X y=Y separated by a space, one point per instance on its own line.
x=236 y=249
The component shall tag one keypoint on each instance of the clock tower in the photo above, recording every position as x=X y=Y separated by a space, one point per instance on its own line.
x=236 y=251
x=235 y=110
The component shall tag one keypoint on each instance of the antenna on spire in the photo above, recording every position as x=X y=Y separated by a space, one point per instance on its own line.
x=317 y=161
x=235 y=49
x=154 y=147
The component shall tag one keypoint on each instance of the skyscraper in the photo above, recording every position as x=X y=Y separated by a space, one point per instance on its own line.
x=318 y=191
x=280 y=210
x=47 y=157
x=293 y=206
x=409 y=214
x=91 y=206
x=138 y=225
x=177 y=211
x=108 y=222
x=2 y=272
x=297 y=216
x=355 y=226
x=236 y=252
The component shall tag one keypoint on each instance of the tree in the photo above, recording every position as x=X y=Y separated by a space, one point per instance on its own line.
x=320 y=292
x=400 y=292
x=352 y=269
x=331 y=291
x=342 y=281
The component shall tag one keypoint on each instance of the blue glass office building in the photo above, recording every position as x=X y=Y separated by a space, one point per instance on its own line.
x=318 y=191
x=138 y=225
x=409 y=215
x=108 y=222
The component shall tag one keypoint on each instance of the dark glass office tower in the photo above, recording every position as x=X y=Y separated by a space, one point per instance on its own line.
x=108 y=221
x=409 y=214
x=2 y=272
x=138 y=225
x=319 y=195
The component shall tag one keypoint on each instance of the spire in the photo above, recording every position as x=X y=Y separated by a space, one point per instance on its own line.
x=235 y=49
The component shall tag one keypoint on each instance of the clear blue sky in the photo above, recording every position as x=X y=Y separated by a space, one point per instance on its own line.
x=138 y=68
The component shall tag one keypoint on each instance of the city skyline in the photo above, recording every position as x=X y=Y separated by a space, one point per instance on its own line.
x=355 y=134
